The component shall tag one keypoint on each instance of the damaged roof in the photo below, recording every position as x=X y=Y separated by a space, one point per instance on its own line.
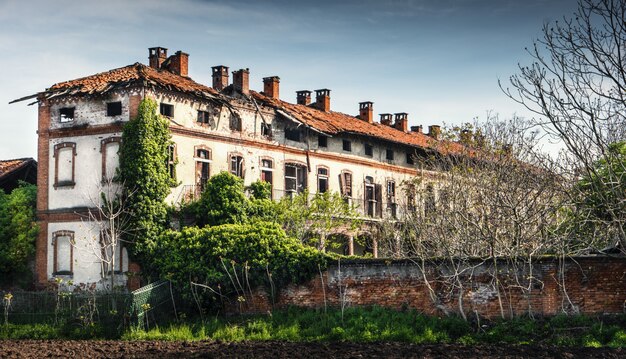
x=13 y=171
x=326 y=122
x=136 y=74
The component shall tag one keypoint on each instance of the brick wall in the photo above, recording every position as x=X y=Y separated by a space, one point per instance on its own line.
x=590 y=285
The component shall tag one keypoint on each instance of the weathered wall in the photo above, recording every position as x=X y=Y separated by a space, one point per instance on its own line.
x=591 y=285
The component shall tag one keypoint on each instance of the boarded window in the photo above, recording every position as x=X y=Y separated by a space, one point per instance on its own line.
x=63 y=252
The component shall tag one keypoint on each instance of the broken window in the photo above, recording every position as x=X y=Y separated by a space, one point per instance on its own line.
x=322 y=179
x=114 y=108
x=236 y=165
x=409 y=158
x=293 y=134
x=63 y=242
x=389 y=155
x=369 y=150
x=64 y=164
x=171 y=161
x=322 y=141
x=347 y=146
x=373 y=200
x=430 y=205
x=295 y=178
x=204 y=118
x=203 y=167
x=167 y=110
x=66 y=114
x=267 y=171
x=345 y=184
x=266 y=130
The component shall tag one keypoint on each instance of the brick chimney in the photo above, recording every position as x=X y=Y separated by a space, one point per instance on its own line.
x=434 y=131
x=241 y=81
x=271 y=86
x=156 y=56
x=385 y=119
x=179 y=64
x=303 y=97
x=220 y=77
x=417 y=129
x=366 y=111
x=322 y=100
x=402 y=121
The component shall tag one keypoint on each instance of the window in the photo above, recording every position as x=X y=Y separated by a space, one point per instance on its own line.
x=293 y=134
x=267 y=171
x=63 y=261
x=429 y=200
x=235 y=123
x=266 y=130
x=204 y=118
x=236 y=165
x=109 y=147
x=391 y=198
x=114 y=261
x=347 y=146
x=322 y=180
x=409 y=158
x=369 y=150
x=373 y=200
x=295 y=178
x=389 y=155
x=64 y=164
x=203 y=166
x=322 y=141
x=114 y=108
x=167 y=110
x=410 y=198
x=171 y=161
x=66 y=114
x=345 y=184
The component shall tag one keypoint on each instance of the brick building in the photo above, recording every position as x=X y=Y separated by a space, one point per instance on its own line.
x=225 y=127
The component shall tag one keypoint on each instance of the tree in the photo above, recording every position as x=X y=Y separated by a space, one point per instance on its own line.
x=18 y=230
x=576 y=85
x=223 y=201
x=144 y=155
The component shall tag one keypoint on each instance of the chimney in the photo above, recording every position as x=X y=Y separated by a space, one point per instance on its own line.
x=271 y=87
x=402 y=121
x=156 y=56
x=366 y=111
x=322 y=99
x=417 y=129
x=179 y=64
x=385 y=119
x=434 y=131
x=220 y=77
x=241 y=81
x=303 y=97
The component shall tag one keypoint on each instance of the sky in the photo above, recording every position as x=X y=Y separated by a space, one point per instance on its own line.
x=438 y=60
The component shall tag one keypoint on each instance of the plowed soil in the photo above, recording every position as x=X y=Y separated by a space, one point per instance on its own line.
x=211 y=349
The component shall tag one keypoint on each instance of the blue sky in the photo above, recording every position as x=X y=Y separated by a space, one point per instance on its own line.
x=440 y=61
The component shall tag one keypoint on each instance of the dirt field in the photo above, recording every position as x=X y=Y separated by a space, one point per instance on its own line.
x=208 y=349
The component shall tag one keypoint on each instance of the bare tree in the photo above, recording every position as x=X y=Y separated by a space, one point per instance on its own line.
x=109 y=217
x=576 y=85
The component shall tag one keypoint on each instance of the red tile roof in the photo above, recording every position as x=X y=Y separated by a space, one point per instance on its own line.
x=8 y=166
x=326 y=122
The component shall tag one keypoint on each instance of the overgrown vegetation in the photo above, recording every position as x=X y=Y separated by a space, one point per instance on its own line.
x=18 y=232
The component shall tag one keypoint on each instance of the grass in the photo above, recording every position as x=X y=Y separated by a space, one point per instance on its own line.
x=359 y=325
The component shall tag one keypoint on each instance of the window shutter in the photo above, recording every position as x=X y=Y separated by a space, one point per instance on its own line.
x=379 y=200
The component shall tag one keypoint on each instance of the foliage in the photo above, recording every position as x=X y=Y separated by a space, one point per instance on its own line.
x=232 y=259
x=143 y=170
x=223 y=201
x=18 y=230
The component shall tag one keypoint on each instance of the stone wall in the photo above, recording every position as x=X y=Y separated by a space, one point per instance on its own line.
x=548 y=286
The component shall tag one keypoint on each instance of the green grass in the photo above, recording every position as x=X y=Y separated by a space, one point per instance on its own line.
x=361 y=325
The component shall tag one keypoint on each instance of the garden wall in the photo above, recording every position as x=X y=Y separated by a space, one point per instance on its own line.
x=547 y=286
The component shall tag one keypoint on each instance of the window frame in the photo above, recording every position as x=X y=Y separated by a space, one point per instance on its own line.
x=55 y=256
x=289 y=131
x=200 y=162
x=204 y=118
x=347 y=145
x=266 y=130
x=57 y=148
x=303 y=177
x=168 y=108
x=324 y=177
x=240 y=171
x=172 y=159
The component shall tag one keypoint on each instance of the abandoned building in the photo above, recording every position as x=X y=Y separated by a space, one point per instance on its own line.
x=223 y=127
